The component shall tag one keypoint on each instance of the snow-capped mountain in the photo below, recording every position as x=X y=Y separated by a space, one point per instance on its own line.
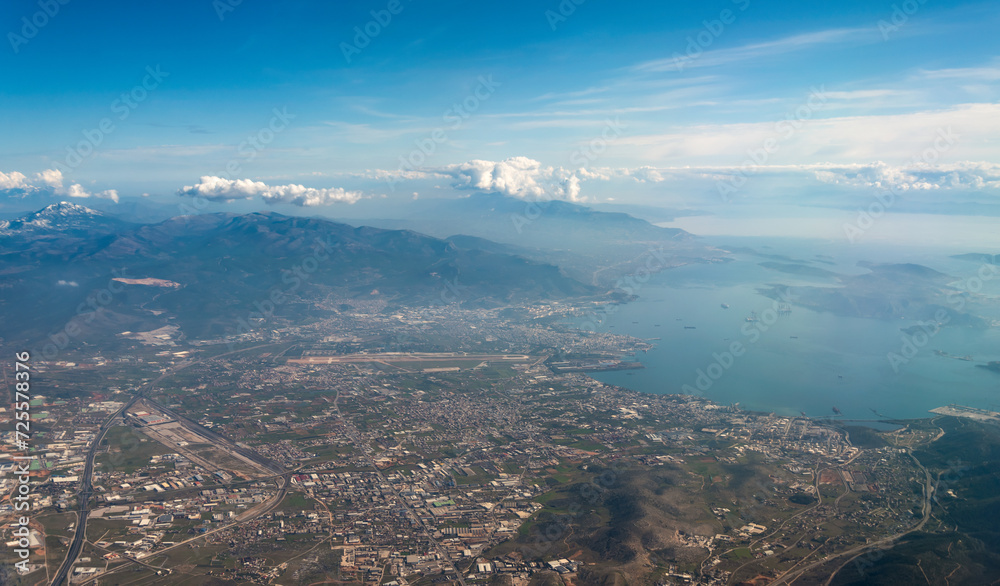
x=63 y=218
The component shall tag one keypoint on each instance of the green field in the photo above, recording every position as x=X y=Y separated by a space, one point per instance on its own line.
x=128 y=450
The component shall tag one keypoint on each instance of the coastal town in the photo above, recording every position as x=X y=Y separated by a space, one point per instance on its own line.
x=293 y=455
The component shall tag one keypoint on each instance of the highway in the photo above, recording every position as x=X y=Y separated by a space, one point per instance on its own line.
x=246 y=517
x=86 y=486
x=86 y=482
x=219 y=440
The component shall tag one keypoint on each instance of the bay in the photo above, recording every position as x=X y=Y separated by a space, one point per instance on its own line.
x=803 y=361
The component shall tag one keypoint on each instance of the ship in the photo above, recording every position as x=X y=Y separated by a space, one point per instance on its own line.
x=837 y=411
x=690 y=328
x=784 y=309
x=752 y=318
x=725 y=306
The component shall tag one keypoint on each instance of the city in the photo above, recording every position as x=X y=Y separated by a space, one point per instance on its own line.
x=273 y=462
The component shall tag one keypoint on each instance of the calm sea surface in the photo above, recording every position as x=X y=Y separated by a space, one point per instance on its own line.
x=803 y=361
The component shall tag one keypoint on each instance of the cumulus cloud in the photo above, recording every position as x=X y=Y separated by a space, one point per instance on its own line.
x=51 y=177
x=527 y=178
x=50 y=180
x=915 y=175
x=647 y=174
x=639 y=174
x=13 y=180
x=517 y=177
x=919 y=177
x=226 y=190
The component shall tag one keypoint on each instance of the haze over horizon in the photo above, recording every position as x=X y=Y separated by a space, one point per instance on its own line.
x=557 y=293
x=734 y=108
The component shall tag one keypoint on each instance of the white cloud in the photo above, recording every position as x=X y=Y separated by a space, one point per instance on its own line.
x=918 y=177
x=756 y=51
x=527 y=178
x=915 y=176
x=814 y=138
x=864 y=94
x=647 y=174
x=227 y=190
x=51 y=177
x=520 y=177
x=50 y=180
x=396 y=175
x=517 y=177
x=989 y=73
x=13 y=180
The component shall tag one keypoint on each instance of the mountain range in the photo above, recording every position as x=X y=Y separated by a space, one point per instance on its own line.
x=203 y=273
x=593 y=246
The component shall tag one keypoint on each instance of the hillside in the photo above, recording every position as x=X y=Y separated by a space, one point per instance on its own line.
x=212 y=269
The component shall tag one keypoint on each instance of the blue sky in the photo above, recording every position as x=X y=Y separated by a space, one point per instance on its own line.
x=653 y=103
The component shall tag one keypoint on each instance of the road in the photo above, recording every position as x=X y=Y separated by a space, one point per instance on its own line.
x=356 y=439
x=817 y=472
x=929 y=488
x=86 y=487
x=86 y=482
x=219 y=440
x=246 y=517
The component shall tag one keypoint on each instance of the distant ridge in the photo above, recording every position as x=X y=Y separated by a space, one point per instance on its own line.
x=224 y=263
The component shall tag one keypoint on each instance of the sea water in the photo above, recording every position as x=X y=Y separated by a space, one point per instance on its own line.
x=803 y=361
